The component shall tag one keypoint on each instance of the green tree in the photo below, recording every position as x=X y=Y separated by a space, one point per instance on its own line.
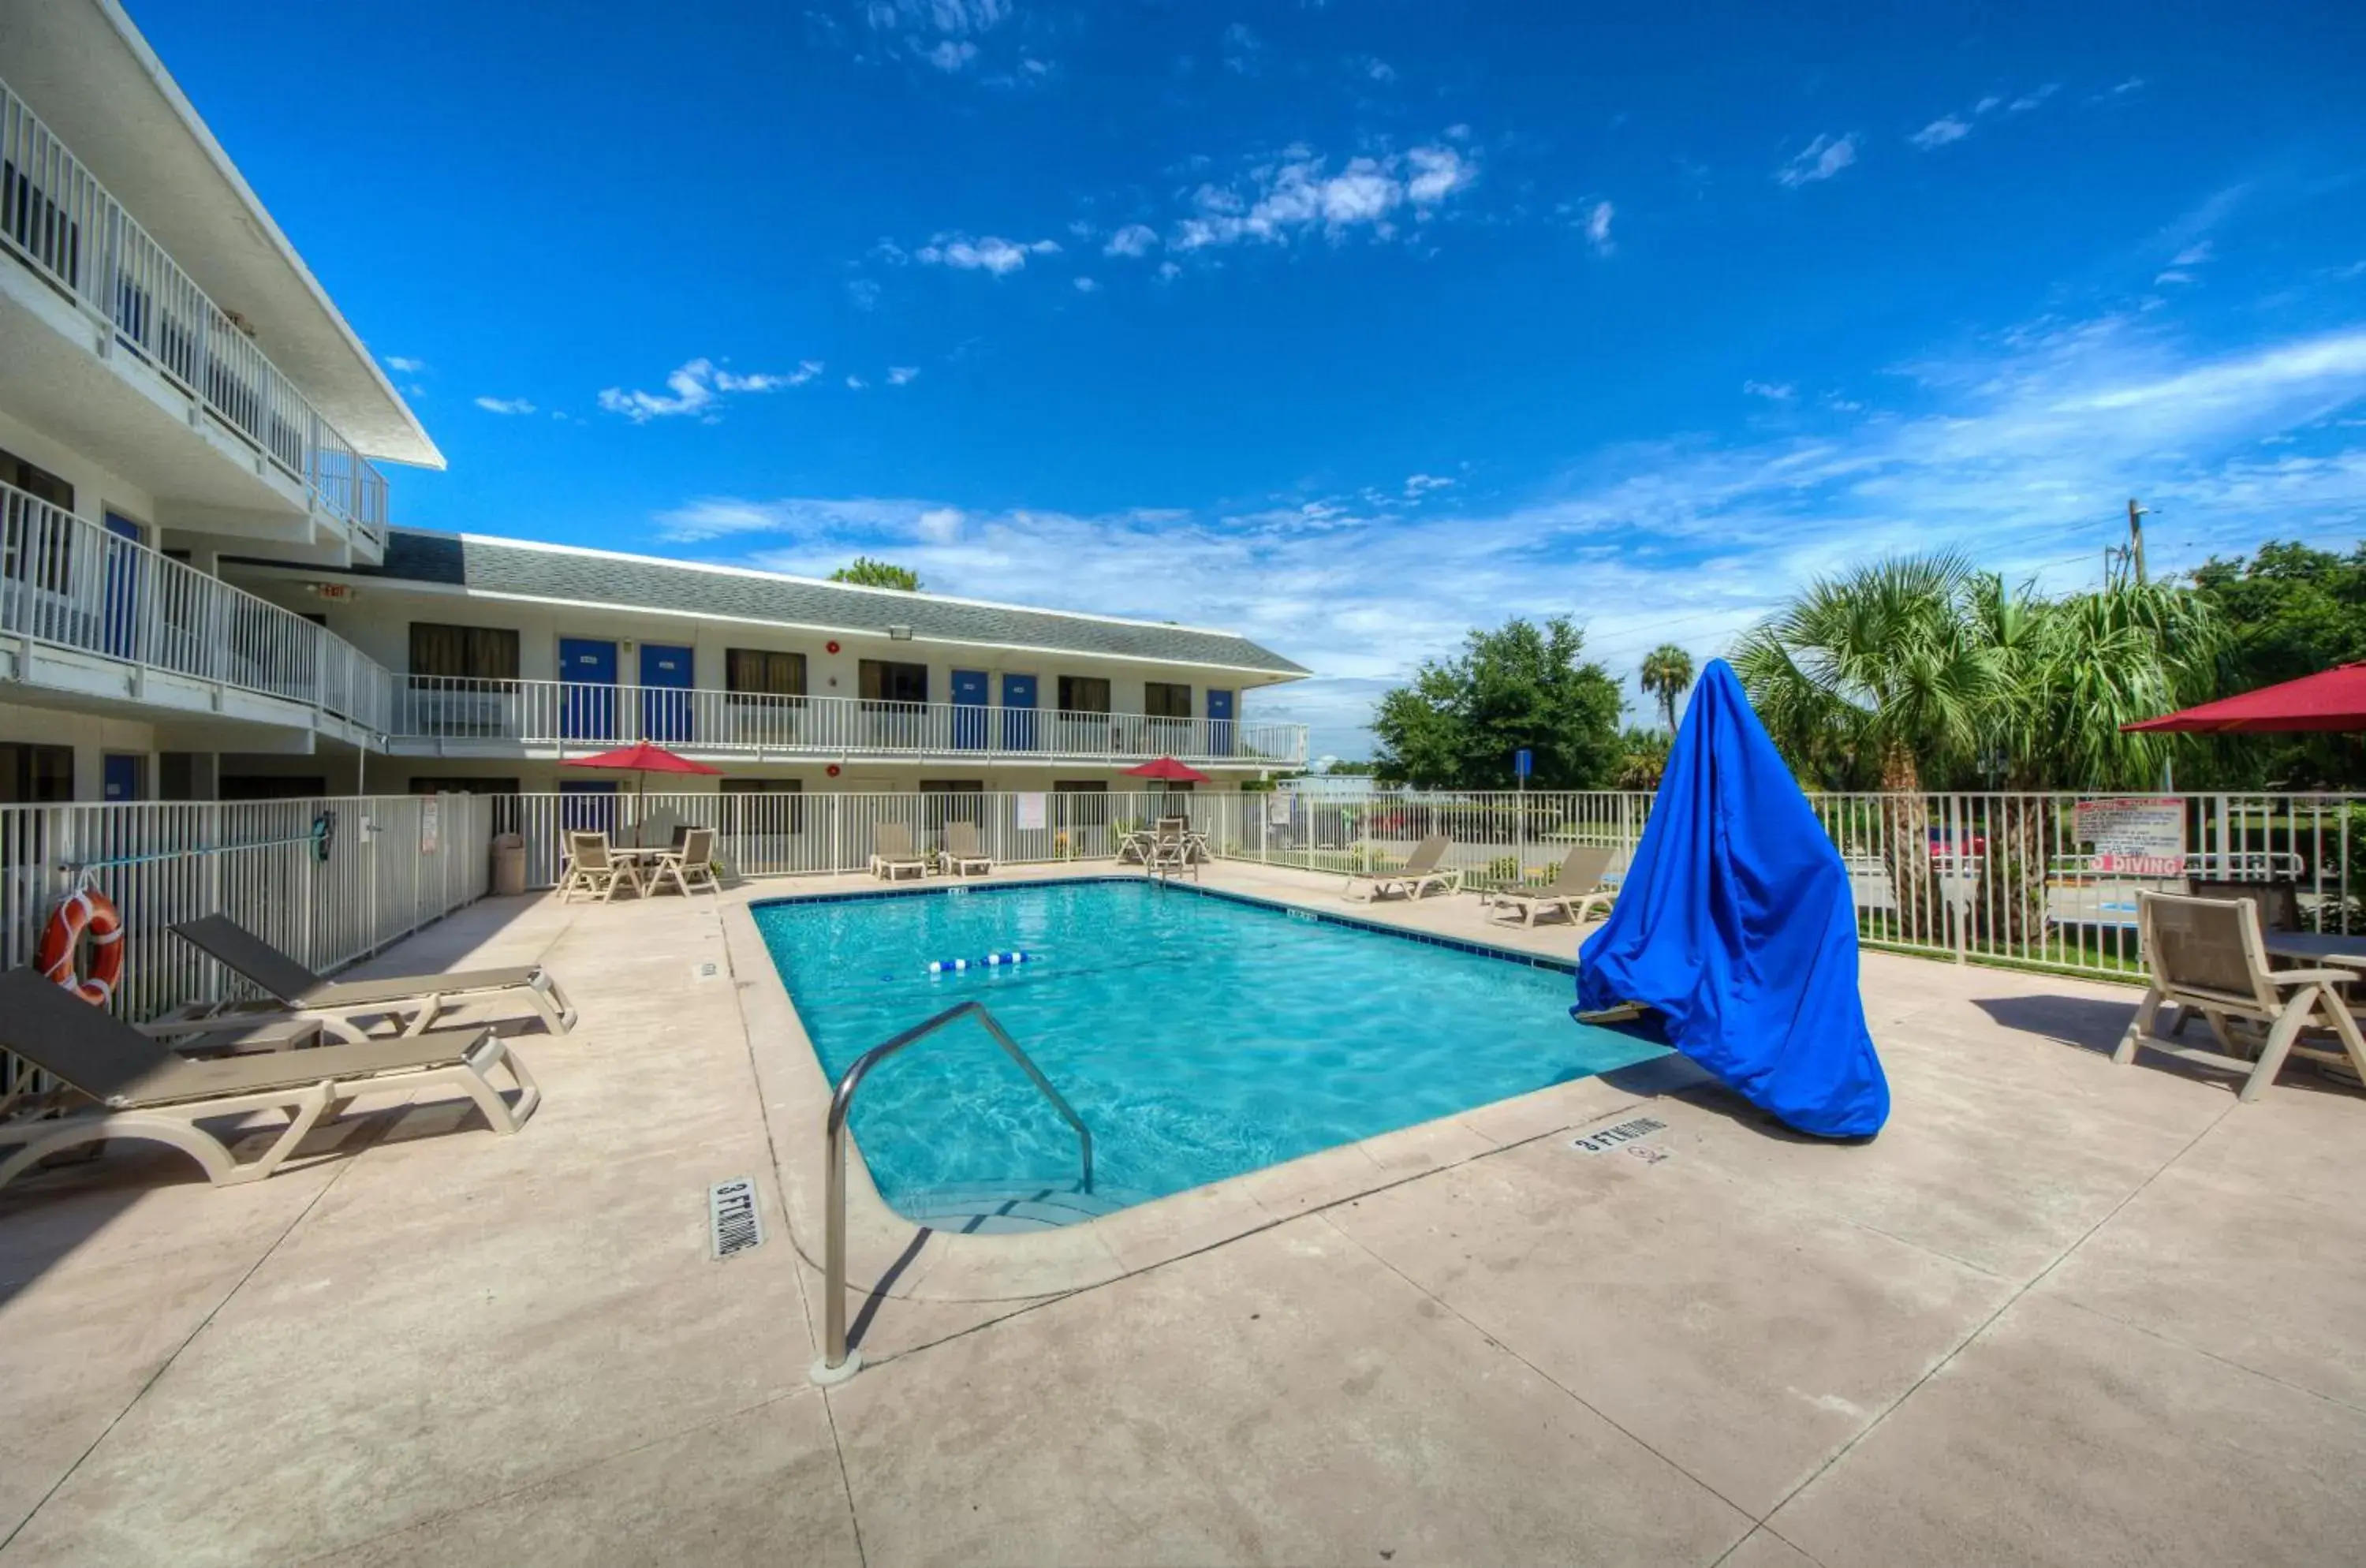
x=1520 y=686
x=2289 y=611
x=1667 y=674
x=1645 y=759
x=869 y=573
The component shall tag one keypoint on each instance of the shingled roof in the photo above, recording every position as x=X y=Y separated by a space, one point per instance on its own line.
x=597 y=577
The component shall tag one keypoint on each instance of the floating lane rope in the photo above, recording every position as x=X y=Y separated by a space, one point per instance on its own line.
x=991 y=961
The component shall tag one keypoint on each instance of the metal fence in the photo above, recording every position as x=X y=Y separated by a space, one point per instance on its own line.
x=67 y=581
x=326 y=881
x=765 y=725
x=63 y=223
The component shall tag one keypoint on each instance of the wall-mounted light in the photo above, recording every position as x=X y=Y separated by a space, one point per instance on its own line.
x=831 y=645
x=900 y=633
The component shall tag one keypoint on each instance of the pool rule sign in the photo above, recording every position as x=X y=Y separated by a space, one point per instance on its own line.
x=2135 y=836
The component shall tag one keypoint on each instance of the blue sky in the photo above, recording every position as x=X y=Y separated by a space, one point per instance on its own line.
x=1348 y=326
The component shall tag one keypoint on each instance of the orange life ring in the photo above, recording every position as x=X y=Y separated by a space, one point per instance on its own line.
x=88 y=911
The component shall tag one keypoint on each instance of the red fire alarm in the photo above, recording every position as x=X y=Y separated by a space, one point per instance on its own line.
x=831 y=645
x=833 y=770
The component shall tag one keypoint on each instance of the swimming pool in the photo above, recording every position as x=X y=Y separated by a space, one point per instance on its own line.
x=1199 y=1036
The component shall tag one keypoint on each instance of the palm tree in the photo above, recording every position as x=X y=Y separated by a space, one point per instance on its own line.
x=1881 y=672
x=1667 y=673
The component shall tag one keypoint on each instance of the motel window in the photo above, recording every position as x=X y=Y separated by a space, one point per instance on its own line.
x=885 y=681
x=433 y=784
x=1167 y=699
x=946 y=801
x=764 y=815
x=756 y=671
x=1089 y=811
x=36 y=775
x=1084 y=693
x=52 y=540
x=35 y=481
x=464 y=653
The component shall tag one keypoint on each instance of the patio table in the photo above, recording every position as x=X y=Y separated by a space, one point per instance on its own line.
x=2318 y=947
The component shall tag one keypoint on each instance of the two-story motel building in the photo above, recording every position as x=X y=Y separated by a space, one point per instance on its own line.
x=202 y=595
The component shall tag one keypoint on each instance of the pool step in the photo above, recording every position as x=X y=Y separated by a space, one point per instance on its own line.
x=1004 y=1208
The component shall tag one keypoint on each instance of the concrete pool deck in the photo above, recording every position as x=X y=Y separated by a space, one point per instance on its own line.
x=2061 y=1311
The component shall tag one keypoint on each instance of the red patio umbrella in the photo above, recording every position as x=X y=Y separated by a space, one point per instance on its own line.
x=2331 y=699
x=1170 y=770
x=641 y=759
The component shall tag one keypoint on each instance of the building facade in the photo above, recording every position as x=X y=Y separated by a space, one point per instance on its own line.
x=202 y=595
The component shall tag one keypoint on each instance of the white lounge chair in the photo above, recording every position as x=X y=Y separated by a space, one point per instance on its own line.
x=594 y=869
x=1423 y=870
x=892 y=853
x=2207 y=957
x=689 y=864
x=962 y=852
x=413 y=1002
x=121 y=1084
x=1575 y=891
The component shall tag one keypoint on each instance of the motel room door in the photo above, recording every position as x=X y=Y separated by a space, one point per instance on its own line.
x=587 y=703
x=1019 y=712
x=665 y=697
x=1220 y=723
x=969 y=710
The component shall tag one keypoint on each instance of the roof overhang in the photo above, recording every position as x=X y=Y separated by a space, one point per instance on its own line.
x=93 y=79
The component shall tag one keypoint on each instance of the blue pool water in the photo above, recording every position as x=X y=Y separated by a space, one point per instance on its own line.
x=1197 y=1037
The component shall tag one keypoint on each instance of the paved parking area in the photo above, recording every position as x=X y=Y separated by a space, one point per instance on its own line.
x=2059 y=1312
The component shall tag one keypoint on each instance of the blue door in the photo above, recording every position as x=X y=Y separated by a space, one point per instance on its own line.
x=124 y=571
x=121 y=777
x=665 y=702
x=587 y=806
x=969 y=709
x=1220 y=723
x=587 y=703
x=1019 y=712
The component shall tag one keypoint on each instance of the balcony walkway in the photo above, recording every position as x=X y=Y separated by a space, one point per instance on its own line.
x=2059 y=1312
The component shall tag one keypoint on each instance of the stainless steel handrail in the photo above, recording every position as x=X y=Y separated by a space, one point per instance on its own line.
x=837 y=1362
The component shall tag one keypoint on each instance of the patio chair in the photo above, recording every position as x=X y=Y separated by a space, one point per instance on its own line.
x=892 y=853
x=411 y=1001
x=1423 y=870
x=2207 y=955
x=1171 y=847
x=688 y=864
x=143 y=1089
x=1575 y=891
x=962 y=850
x=595 y=867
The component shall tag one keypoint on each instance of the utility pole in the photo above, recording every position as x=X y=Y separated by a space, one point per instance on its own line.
x=2135 y=539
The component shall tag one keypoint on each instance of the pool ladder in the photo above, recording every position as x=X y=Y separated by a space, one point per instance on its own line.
x=837 y=1363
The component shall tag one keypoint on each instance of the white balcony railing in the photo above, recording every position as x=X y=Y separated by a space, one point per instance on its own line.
x=58 y=220
x=572 y=715
x=69 y=583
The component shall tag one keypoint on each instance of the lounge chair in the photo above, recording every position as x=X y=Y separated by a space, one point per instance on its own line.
x=1576 y=889
x=892 y=853
x=688 y=864
x=412 y=1001
x=961 y=851
x=2207 y=955
x=595 y=868
x=1423 y=870
x=144 y=1089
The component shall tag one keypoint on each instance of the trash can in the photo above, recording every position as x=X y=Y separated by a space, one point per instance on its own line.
x=509 y=862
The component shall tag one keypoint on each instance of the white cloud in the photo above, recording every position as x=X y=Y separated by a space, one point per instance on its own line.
x=1278 y=202
x=1941 y=131
x=856 y=383
x=1419 y=485
x=2028 y=101
x=1374 y=68
x=949 y=55
x=1987 y=104
x=1819 y=160
x=2130 y=85
x=2022 y=458
x=992 y=253
x=1597 y=227
x=863 y=292
x=903 y=374
x=1086 y=285
x=1773 y=391
x=2195 y=255
x=1168 y=272
x=697 y=387
x=1133 y=240
x=1243 y=50
x=404 y=364
x=505 y=405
